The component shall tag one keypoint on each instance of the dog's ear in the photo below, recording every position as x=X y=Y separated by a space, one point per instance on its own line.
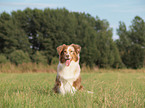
x=77 y=48
x=60 y=48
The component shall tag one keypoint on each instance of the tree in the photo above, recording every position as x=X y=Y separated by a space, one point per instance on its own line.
x=131 y=43
x=12 y=36
x=4 y=17
x=137 y=36
x=35 y=30
x=109 y=55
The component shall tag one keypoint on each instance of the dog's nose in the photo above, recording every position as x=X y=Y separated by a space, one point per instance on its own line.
x=67 y=55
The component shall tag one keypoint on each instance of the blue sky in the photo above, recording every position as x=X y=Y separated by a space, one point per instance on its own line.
x=112 y=10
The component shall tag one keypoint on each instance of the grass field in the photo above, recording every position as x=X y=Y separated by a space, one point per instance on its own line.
x=111 y=90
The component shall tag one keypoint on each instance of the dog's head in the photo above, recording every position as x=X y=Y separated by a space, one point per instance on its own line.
x=67 y=53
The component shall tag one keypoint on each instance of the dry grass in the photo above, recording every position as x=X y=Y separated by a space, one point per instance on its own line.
x=40 y=68
x=27 y=68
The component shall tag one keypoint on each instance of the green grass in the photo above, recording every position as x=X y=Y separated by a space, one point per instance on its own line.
x=111 y=89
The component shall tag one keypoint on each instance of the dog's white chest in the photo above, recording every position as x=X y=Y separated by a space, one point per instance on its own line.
x=69 y=72
x=66 y=87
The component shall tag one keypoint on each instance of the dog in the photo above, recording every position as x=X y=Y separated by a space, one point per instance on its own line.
x=68 y=79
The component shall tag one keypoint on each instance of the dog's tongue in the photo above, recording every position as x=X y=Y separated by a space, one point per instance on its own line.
x=67 y=63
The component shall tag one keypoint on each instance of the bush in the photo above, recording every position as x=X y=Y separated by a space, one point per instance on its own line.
x=3 y=59
x=55 y=60
x=19 y=57
x=39 y=58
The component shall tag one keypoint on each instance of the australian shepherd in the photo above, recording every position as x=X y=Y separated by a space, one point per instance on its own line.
x=68 y=79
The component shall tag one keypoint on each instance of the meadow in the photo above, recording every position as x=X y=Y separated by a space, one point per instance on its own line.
x=112 y=89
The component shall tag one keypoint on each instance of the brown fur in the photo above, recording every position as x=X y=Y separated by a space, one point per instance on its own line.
x=57 y=84
x=77 y=84
x=77 y=48
x=62 y=54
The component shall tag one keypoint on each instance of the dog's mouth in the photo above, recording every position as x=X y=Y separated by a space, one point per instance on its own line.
x=67 y=63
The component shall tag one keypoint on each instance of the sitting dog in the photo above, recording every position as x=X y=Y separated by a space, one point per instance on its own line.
x=68 y=79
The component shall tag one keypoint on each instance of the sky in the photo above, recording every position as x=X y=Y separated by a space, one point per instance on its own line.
x=111 y=10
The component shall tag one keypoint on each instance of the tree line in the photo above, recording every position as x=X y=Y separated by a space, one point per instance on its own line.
x=32 y=35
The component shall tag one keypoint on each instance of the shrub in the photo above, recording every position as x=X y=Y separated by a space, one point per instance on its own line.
x=39 y=58
x=3 y=59
x=19 y=57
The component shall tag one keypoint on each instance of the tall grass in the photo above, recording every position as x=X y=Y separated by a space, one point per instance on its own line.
x=27 y=68
x=40 y=68
x=111 y=90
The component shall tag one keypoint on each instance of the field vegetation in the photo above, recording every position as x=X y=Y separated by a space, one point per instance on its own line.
x=112 y=88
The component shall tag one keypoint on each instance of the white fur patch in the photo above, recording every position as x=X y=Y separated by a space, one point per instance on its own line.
x=68 y=74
